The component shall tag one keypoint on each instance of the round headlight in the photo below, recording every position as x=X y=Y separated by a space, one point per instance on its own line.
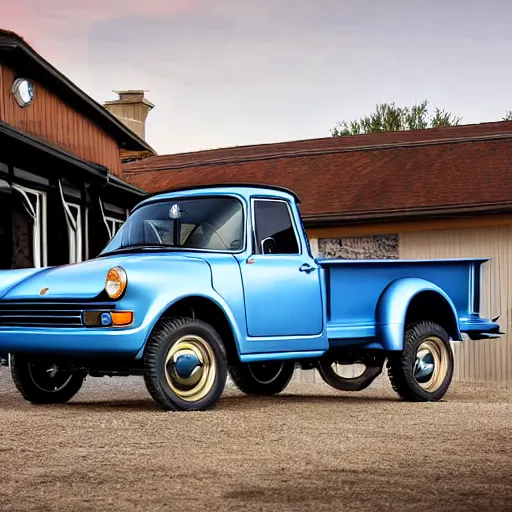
x=116 y=282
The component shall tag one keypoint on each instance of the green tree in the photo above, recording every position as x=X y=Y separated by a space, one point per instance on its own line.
x=388 y=117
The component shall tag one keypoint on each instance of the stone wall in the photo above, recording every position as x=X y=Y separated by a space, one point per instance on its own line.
x=362 y=247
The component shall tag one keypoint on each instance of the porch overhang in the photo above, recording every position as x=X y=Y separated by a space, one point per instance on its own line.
x=25 y=151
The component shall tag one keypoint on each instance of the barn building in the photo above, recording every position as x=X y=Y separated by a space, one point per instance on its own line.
x=61 y=192
x=436 y=193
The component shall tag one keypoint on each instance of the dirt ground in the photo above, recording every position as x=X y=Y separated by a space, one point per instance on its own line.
x=310 y=449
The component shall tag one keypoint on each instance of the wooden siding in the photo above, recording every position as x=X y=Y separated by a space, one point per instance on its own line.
x=489 y=360
x=51 y=120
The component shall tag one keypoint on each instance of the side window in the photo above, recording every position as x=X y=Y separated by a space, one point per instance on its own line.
x=274 y=228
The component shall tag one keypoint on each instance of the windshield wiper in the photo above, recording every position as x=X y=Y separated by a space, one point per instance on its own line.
x=137 y=247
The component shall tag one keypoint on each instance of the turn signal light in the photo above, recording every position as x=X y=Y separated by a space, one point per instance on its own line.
x=122 y=317
x=107 y=319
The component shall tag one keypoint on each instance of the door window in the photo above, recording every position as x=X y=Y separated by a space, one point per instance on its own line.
x=274 y=231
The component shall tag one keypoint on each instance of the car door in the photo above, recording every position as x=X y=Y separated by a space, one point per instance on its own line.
x=280 y=279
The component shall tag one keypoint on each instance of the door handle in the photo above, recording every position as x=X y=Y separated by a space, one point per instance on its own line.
x=306 y=268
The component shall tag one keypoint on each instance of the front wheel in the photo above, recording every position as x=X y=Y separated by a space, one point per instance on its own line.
x=265 y=378
x=185 y=365
x=423 y=371
x=42 y=383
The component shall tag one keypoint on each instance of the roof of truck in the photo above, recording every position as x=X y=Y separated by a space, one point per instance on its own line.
x=242 y=188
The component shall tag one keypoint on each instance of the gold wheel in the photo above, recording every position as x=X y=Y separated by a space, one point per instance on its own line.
x=190 y=368
x=431 y=365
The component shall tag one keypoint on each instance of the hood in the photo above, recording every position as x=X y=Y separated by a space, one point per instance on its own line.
x=80 y=281
x=10 y=278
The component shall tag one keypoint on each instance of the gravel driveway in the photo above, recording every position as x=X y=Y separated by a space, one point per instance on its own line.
x=310 y=449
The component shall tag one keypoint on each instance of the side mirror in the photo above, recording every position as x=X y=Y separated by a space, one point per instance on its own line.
x=268 y=246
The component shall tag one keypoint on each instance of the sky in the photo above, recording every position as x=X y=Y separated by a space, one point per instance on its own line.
x=234 y=72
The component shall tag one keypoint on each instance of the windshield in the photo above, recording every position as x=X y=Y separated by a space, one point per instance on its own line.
x=213 y=224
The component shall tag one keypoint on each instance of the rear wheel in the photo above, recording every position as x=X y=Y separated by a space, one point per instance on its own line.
x=44 y=383
x=423 y=371
x=265 y=378
x=185 y=365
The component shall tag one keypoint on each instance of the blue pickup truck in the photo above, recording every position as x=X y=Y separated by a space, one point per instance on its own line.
x=212 y=281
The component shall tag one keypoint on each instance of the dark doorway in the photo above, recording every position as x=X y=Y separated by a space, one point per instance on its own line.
x=5 y=225
x=22 y=231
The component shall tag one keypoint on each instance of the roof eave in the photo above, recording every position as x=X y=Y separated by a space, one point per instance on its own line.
x=118 y=183
x=379 y=217
x=125 y=137
x=91 y=169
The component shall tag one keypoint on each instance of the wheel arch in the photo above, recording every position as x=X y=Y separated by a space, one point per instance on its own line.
x=209 y=310
x=410 y=300
x=440 y=311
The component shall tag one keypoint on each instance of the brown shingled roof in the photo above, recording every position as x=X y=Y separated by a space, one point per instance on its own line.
x=347 y=179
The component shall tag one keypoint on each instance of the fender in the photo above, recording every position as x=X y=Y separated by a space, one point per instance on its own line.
x=213 y=297
x=392 y=309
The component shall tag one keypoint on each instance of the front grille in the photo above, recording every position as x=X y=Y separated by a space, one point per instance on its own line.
x=47 y=313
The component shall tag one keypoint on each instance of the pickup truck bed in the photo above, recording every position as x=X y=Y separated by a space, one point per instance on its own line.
x=365 y=298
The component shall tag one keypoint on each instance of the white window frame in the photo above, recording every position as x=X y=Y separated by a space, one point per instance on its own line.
x=38 y=212
x=73 y=213
x=75 y=233
x=86 y=233
x=113 y=225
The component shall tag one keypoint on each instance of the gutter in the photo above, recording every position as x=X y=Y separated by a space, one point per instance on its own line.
x=128 y=187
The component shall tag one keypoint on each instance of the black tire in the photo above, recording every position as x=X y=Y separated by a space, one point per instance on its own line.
x=162 y=379
x=404 y=369
x=266 y=378
x=42 y=383
x=340 y=383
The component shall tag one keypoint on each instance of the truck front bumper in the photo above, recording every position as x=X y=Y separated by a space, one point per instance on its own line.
x=61 y=341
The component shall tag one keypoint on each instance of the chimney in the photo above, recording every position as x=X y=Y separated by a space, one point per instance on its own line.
x=131 y=109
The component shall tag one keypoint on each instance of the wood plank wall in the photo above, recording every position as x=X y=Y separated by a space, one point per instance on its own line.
x=489 y=361
x=50 y=119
